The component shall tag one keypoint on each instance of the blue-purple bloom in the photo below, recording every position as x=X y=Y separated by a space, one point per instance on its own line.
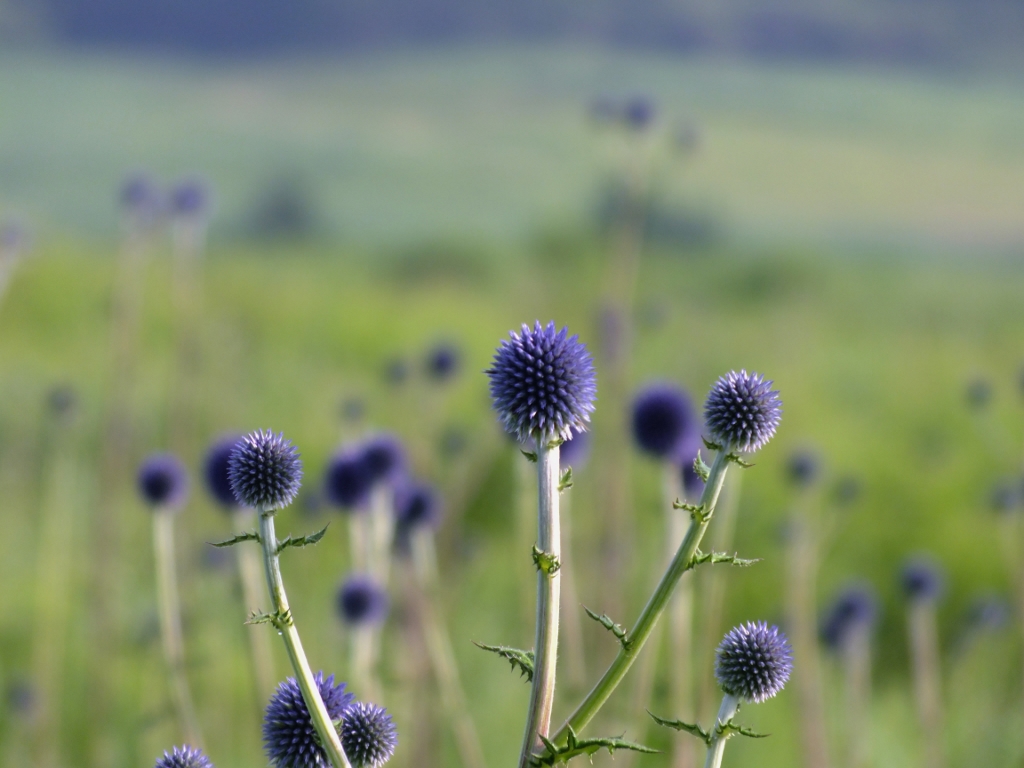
x=922 y=579
x=665 y=423
x=753 y=661
x=190 y=198
x=987 y=612
x=1005 y=497
x=348 y=480
x=217 y=471
x=265 y=471
x=13 y=237
x=803 y=467
x=384 y=457
x=368 y=735
x=543 y=383
x=417 y=506
x=742 y=411
x=140 y=197
x=184 y=757
x=289 y=737
x=854 y=610
x=362 y=601
x=163 y=481
x=638 y=112
x=575 y=451
x=443 y=362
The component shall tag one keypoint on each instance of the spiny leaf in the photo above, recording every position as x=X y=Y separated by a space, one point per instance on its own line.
x=699 y=558
x=547 y=562
x=576 y=746
x=710 y=445
x=703 y=470
x=523 y=660
x=730 y=728
x=616 y=629
x=566 y=480
x=301 y=541
x=279 y=620
x=530 y=455
x=735 y=459
x=247 y=536
x=679 y=725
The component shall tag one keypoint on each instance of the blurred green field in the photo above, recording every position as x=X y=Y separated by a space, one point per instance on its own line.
x=872 y=359
x=494 y=143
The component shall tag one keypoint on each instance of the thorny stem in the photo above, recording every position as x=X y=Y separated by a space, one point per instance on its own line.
x=286 y=627
x=716 y=749
x=656 y=606
x=542 y=695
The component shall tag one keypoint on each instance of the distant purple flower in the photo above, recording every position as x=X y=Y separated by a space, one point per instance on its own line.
x=575 y=451
x=638 y=113
x=396 y=371
x=265 y=471
x=141 y=198
x=742 y=411
x=753 y=661
x=443 y=362
x=979 y=393
x=348 y=480
x=664 y=421
x=13 y=236
x=417 y=506
x=988 y=612
x=163 y=481
x=384 y=457
x=847 y=490
x=543 y=383
x=190 y=198
x=1005 y=497
x=362 y=601
x=855 y=609
x=217 y=471
x=803 y=467
x=921 y=579
x=289 y=737
x=368 y=735
x=62 y=400
x=184 y=757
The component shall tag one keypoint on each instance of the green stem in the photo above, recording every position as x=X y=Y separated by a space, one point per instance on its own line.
x=542 y=695
x=730 y=705
x=249 y=575
x=656 y=606
x=286 y=627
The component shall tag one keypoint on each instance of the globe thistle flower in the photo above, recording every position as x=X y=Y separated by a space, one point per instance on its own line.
x=979 y=393
x=802 y=468
x=575 y=451
x=163 y=481
x=638 y=113
x=13 y=236
x=855 y=609
x=742 y=411
x=140 y=197
x=217 y=471
x=753 y=661
x=384 y=458
x=396 y=371
x=664 y=421
x=417 y=506
x=184 y=757
x=348 y=480
x=62 y=400
x=190 y=198
x=442 y=362
x=543 y=383
x=368 y=735
x=265 y=471
x=362 y=601
x=921 y=579
x=1004 y=498
x=987 y=612
x=289 y=738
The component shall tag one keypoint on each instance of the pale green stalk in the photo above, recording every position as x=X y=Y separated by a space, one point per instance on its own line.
x=285 y=625
x=656 y=605
x=259 y=642
x=545 y=647
x=576 y=671
x=169 y=606
x=924 y=656
x=857 y=668
x=716 y=749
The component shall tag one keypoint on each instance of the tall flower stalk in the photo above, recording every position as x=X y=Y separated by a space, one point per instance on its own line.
x=922 y=584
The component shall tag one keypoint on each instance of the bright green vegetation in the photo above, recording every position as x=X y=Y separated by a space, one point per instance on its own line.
x=394 y=147
x=872 y=361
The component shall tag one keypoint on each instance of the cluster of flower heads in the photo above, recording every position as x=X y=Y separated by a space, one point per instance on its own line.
x=635 y=113
x=753 y=661
x=145 y=201
x=355 y=471
x=441 y=364
x=367 y=732
x=854 y=611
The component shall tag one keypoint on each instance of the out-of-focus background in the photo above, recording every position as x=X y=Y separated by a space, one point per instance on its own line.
x=830 y=194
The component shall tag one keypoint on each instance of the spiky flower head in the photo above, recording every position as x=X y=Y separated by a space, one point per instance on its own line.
x=190 y=197
x=368 y=735
x=853 y=611
x=922 y=579
x=163 y=481
x=217 y=471
x=362 y=601
x=289 y=737
x=184 y=757
x=575 y=451
x=664 y=421
x=442 y=362
x=265 y=471
x=742 y=411
x=543 y=383
x=348 y=480
x=753 y=661
x=384 y=457
x=417 y=506
x=803 y=467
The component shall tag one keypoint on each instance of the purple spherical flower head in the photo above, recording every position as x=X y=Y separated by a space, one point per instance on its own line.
x=664 y=421
x=265 y=471
x=417 y=505
x=1005 y=497
x=742 y=411
x=442 y=362
x=988 y=612
x=575 y=451
x=753 y=661
x=384 y=457
x=922 y=579
x=13 y=236
x=348 y=480
x=217 y=471
x=543 y=383
x=362 y=601
x=163 y=481
x=803 y=467
x=289 y=737
x=184 y=757
x=854 y=610
x=140 y=196
x=368 y=735
x=190 y=198
x=638 y=112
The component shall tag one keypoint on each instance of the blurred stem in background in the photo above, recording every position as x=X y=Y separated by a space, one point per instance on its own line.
x=572 y=609
x=13 y=243
x=856 y=657
x=922 y=584
x=250 y=578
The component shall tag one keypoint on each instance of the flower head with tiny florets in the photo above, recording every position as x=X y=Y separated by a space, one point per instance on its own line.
x=265 y=471
x=217 y=471
x=184 y=757
x=163 y=481
x=753 y=661
x=348 y=480
x=289 y=737
x=543 y=383
x=368 y=735
x=742 y=411
x=362 y=601
x=664 y=421
x=384 y=456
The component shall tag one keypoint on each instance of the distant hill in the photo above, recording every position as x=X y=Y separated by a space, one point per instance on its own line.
x=942 y=32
